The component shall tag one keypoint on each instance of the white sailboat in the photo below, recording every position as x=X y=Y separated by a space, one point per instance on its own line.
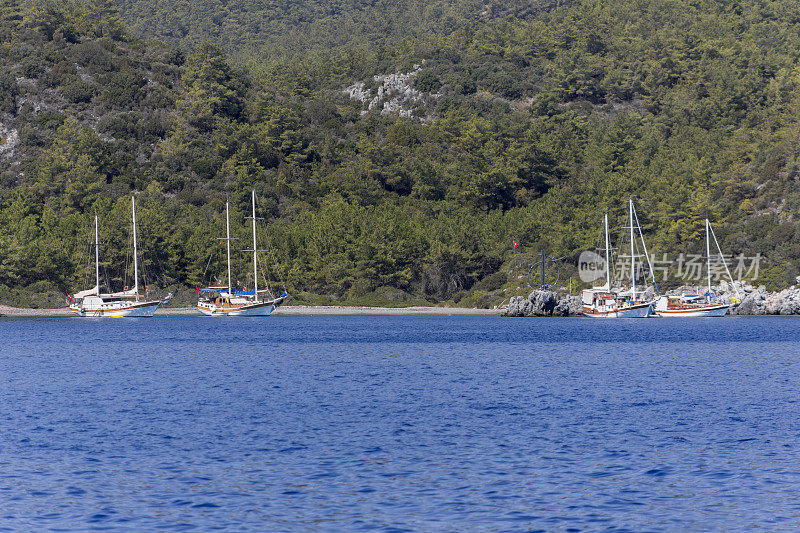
x=224 y=301
x=127 y=303
x=697 y=305
x=608 y=302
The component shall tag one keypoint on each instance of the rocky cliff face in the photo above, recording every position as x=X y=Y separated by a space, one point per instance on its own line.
x=758 y=301
x=393 y=93
x=544 y=303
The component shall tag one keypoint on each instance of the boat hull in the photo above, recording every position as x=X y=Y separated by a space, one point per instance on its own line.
x=709 y=311
x=119 y=310
x=634 y=311
x=258 y=309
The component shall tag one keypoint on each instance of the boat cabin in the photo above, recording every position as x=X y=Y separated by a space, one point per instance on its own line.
x=686 y=301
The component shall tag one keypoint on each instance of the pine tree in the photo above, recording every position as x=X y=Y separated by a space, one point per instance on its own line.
x=102 y=17
x=10 y=17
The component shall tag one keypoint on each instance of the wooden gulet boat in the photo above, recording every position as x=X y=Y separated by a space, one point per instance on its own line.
x=224 y=301
x=126 y=303
x=697 y=305
x=608 y=302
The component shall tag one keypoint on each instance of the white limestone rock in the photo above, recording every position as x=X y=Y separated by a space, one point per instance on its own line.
x=9 y=139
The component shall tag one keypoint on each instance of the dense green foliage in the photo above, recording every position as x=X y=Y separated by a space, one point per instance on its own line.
x=249 y=28
x=527 y=124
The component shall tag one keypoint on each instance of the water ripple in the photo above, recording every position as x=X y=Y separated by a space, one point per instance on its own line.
x=399 y=424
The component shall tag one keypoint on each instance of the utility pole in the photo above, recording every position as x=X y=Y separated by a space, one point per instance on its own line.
x=542 y=259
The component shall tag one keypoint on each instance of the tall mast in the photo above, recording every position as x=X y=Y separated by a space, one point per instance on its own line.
x=135 y=259
x=644 y=249
x=255 y=251
x=608 y=264
x=708 y=258
x=633 y=253
x=228 y=240
x=722 y=258
x=96 y=255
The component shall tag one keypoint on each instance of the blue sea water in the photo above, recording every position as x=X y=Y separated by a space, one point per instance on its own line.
x=400 y=424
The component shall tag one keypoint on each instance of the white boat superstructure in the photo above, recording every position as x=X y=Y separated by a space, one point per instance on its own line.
x=604 y=303
x=697 y=305
x=224 y=301
x=608 y=302
x=127 y=303
x=113 y=306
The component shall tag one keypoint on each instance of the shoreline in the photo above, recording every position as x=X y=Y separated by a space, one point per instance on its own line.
x=343 y=310
x=288 y=310
x=306 y=310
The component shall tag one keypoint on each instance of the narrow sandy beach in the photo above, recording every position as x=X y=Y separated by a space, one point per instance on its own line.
x=287 y=310
x=344 y=310
x=8 y=311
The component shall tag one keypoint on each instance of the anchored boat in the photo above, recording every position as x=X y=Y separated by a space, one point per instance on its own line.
x=603 y=303
x=608 y=302
x=697 y=305
x=126 y=303
x=690 y=305
x=225 y=301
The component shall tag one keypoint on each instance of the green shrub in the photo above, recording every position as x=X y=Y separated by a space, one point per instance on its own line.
x=427 y=82
x=79 y=92
x=8 y=92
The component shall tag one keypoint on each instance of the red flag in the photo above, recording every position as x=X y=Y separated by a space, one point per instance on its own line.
x=516 y=244
x=198 y=290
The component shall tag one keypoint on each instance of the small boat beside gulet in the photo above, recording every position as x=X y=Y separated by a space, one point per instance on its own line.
x=126 y=303
x=227 y=301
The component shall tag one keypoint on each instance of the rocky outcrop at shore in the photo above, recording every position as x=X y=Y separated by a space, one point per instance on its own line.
x=751 y=301
x=544 y=303
x=759 y=301
x=748 y=300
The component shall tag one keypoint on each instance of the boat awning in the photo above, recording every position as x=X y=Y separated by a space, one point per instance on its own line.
x=214 y=289
x=87 y=292
x=123 y=294
x=244 y=293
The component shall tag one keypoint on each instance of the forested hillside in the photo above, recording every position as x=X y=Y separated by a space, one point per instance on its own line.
x=259 y=30
x=398 y=155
